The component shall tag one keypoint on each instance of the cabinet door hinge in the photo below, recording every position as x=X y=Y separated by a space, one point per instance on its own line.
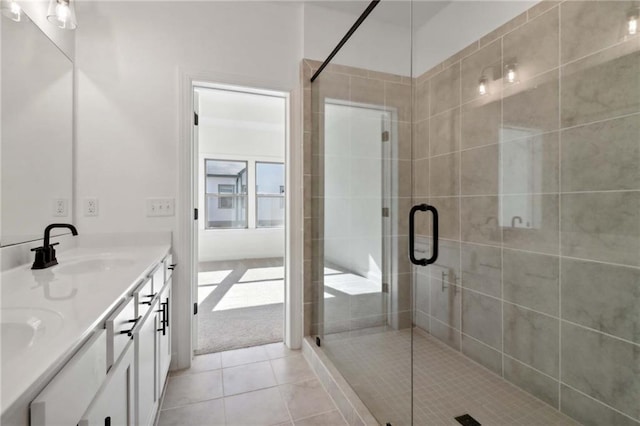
x=195 y=118
x=385 y=287
x=195 y=214
x=195 y=309
x=385 y=136
x=385 y=212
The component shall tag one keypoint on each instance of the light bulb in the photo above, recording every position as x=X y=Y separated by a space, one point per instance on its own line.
x=62 y=15
x=511 y=73
x=632 y=25
x=482 y=87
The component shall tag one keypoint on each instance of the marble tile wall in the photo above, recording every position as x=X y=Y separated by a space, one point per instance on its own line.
x=538 y=188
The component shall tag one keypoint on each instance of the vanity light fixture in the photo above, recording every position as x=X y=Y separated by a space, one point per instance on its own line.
x=511 y=73
x=632 y=22
x=62 y=13
x=482 y=86
x=12 y=10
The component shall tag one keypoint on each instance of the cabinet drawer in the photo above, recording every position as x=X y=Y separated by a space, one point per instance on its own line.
x=143 y=297
x=67 y=396
x=119 y=328
x=158 y=278
x=168 y=267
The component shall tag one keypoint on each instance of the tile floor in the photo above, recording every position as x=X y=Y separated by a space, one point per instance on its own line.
x=446 y=383
x=262 y=385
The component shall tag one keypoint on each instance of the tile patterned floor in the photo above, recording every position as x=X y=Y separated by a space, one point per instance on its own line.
x=446 y=384
x=262 y=385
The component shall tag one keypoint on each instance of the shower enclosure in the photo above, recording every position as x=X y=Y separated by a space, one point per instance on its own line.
x=506 y=135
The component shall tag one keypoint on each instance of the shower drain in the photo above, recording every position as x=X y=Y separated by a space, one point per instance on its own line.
x=467 y=420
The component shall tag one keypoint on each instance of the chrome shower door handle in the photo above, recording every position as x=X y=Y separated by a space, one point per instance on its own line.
x=434 y=252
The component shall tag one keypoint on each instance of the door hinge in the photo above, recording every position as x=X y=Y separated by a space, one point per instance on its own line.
x=195 y=309
x=195 y=118
x=385 y=287
x=385 y=136
x=195 y=214
x=385 y=212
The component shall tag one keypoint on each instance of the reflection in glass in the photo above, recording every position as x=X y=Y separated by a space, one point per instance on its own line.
x=226 y=194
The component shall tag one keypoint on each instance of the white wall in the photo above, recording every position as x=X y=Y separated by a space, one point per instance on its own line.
x=377 y=46
x=457 y=25
x=37 y=11
x=129 y=59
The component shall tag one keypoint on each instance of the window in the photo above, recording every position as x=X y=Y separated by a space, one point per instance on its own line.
x=269 y=195
x=225 y=194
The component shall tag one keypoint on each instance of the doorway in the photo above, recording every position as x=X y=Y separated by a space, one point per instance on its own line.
x=239 y=184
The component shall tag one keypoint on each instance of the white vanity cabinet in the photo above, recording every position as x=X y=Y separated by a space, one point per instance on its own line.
x=115 y=402
x=144 y=338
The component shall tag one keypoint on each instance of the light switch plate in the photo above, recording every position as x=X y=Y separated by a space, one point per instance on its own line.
x=160 y=207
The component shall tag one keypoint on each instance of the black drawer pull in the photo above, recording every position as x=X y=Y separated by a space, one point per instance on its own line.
x=130 y=332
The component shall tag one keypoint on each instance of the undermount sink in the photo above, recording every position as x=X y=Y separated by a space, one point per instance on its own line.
x=22 y=328
x=92 y=265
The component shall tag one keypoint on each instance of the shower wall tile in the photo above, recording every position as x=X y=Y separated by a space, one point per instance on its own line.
x=480 y=171
x=448 y=214
x=482 y=318
x=444 y=175
x=603 y=367
x=481 y=122
x=531 y=107
x=482 y=354
x=366 y=90
x=614 y=145
x=447 y=266
x=329 y=85
x=444 y=136
x=532 y=280
x=445 y=89
x=401 y=227
x=420 y=178
x=403 y=144
x=485 y=62
x=588 y=27
x=532 y=338
x=403 y=170
x=422 y=291
x=530 y=165
x=534 y=382
x=445 y=303
x=448 y=335
x=603 y=85
x=589 y=412
x=398 y=96
x=421 y=140
x=603 y=297
x=602 y=226
x=534 y=46
x=540 y=213
x=421 y=101
x=479 y=220
x=482 y=269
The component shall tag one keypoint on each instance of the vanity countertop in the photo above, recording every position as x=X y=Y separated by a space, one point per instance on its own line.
x=47 y=314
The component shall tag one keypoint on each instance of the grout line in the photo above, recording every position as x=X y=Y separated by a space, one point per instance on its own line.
x=593 y=330
x=502 y=331
x=560 y=74
x=602 y=403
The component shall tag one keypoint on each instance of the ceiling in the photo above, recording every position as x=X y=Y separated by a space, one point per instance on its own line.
x=394 y=12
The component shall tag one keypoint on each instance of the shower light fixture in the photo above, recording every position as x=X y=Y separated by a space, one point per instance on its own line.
x=62 y=14
x=482 y=86
x=511 y=73
x=12 y=10
x=632 y=23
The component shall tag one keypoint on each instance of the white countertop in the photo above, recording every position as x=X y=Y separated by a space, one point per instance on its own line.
x=52 y=311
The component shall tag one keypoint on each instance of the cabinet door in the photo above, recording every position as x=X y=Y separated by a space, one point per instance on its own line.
x=164 y=337
x=146 y=367
x=114 y=403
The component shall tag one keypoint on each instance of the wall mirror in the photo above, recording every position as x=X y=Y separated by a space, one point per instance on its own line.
x=37 y=133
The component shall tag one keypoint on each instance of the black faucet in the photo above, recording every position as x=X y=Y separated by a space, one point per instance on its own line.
x=46 y=255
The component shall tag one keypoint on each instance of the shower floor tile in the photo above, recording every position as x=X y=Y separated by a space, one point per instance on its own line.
x=446 y=384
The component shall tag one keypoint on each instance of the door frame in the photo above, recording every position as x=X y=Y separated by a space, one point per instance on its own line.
x=183 y=244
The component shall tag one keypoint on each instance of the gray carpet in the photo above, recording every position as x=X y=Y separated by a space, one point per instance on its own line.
x=242 y=327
